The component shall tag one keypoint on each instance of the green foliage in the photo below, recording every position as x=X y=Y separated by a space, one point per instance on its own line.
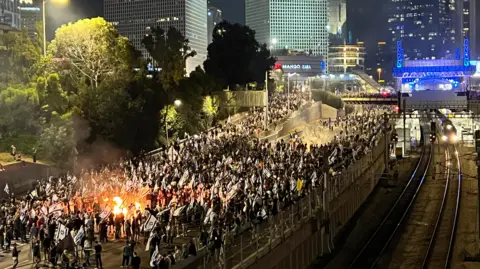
x=235 y=57
x=328 y=98
x=92 y=51
x=18 y=58
x=24 y=143
x=169 y=50
x=57 y=142
x=18 y=111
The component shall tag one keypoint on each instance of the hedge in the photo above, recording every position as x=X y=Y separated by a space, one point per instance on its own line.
x=328 y=98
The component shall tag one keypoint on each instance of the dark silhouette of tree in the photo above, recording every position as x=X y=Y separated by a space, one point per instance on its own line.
x=235 y=56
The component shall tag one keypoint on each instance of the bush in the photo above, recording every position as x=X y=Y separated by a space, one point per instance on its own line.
x=23 y=143
x=328 y=98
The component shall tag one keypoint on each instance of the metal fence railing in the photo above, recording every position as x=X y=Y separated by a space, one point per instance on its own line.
x=242 y=250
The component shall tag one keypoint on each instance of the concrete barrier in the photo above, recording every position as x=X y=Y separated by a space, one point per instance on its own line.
x=21 y=178
x=299 y=119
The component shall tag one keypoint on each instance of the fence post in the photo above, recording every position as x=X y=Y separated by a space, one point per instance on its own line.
x=241 y=251
x=291 y=216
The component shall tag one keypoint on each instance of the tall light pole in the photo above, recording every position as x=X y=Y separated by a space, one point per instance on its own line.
x=288 y=89
x=379 y=71
x=44 y=22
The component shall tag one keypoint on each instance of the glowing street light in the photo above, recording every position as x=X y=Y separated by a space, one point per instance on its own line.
x=44 y=22
x=177 y=103
x=379 y=71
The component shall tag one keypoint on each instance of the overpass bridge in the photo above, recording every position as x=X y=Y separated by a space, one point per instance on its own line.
x=370 y=100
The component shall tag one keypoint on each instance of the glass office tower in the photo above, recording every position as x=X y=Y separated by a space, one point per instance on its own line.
x=133 y=19
x=290 y=24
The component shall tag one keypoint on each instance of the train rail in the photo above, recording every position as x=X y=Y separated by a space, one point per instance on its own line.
x=440 y=247
x=370 y=254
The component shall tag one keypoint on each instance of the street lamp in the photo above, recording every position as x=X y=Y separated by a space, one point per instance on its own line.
x=288 y=89
x=176 y=103
x=44 y=22
x=379 y=71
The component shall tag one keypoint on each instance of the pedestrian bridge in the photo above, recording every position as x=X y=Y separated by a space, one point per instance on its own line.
x=370 y=100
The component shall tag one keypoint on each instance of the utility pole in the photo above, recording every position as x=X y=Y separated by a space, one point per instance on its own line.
x=404 y=109
x=477 y=148
x=266 y=100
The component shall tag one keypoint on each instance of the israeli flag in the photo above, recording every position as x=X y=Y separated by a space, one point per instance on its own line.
x=150 y=223
x=155 y=258
x=62 y=231
x=79 y=236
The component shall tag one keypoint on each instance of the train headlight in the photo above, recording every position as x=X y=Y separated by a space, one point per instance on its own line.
x=454 y=138
x=444 y=138
x=449 y=127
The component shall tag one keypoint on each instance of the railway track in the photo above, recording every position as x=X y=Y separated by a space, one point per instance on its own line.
x=383 y=235
x=432 y=207
x=440 y=248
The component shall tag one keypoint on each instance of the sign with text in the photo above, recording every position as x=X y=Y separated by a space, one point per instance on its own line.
x=297 y=66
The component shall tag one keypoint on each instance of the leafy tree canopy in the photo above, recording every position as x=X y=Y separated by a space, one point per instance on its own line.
x=18 y=58
x=93 y=51
x=18 y=111
x=169 y=51
x=235 y=56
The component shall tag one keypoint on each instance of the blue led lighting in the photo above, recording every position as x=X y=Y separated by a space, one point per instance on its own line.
x=466 y=52
x=399 y=54
x=457 y=54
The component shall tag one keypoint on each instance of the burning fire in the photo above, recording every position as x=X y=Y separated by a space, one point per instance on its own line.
x=120 y=206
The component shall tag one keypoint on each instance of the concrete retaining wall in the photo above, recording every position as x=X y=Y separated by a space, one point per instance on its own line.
x=299 y=119
x=20 y=179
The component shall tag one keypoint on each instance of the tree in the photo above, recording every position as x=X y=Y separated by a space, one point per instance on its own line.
x=235 y=57
x=93 y=50
x=52 y=97
x=57 y=142
x=169 y=51
x=19 y=58
x=18 y=111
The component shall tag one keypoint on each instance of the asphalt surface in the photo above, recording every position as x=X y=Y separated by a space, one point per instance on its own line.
x=111 y=255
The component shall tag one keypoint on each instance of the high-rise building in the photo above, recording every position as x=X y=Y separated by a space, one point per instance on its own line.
x=134 y=20
x=9 y=13
x=342 y=58
x=214 y=17
x=427 y=28
x=337 y=20
x=466 y=12
x=30 y=14
x=290 y=24
x=383 y=61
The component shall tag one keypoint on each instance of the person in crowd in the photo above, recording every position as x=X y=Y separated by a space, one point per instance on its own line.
x=127 y=254
x=98 y=255
x=15 y=253
x=136 y=261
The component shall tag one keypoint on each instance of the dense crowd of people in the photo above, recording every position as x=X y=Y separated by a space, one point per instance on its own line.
x=216 y=182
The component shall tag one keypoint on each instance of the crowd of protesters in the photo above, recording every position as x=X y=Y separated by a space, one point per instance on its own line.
x=216 y=182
